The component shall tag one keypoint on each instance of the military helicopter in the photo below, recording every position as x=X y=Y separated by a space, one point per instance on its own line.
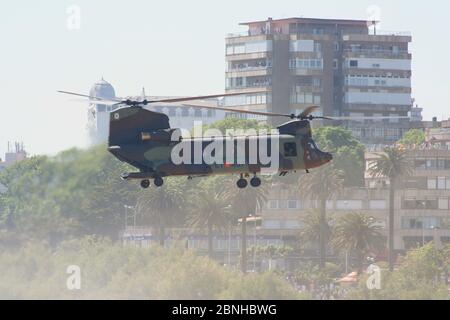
x=145 y=140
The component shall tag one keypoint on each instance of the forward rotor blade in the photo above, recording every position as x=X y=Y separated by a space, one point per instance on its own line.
x=106 y=101
x=203 y=97
x=349 y=118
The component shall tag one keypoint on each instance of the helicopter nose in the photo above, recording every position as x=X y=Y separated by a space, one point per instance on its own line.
x=328 y=157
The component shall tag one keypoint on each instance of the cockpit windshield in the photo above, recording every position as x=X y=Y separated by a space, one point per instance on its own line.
x=313 y=155
x=312 y=151
x=312 y=144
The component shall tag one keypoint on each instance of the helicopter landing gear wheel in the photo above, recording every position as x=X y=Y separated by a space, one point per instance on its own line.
x=158 y=181
x=242 y=183
x=255 y=182
x=145 y=184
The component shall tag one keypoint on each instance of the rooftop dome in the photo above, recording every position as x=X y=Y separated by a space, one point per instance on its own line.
x=102 y=89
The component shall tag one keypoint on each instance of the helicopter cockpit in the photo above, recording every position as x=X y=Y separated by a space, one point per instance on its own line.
x=313 y=156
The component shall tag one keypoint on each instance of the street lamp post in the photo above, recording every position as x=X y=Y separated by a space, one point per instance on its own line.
x=423 y=232
x=254 y=246
x=126 y=216
x=435 y=229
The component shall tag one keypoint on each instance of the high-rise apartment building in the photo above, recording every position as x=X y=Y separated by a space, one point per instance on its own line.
x=344 y=66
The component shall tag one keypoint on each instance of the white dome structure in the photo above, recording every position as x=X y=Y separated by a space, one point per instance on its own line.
x=102 y=89
x=98 y=113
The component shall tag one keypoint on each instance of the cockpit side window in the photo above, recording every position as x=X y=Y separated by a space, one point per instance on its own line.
x=290 y=149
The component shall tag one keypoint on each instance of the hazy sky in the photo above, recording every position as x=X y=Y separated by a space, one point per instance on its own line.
x=170 y=47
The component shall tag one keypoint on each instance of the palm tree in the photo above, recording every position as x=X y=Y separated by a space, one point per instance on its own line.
x=392 y=164
x=209 y=210
x=310 y=231
x=161 y=207
x=246 y=202
x=356 y=233
x=320 y=186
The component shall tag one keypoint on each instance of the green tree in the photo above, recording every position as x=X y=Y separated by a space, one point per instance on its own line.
x=114 y=271
x=321 y=185
x=391 y=164
x=413 y=137
x=356 y=234
x=209 y=210
x=417 y=277
x=348 y=152
x=162 y=207
x=309 y=273
x=73 y=193
x=236 y=124
x=266 y=286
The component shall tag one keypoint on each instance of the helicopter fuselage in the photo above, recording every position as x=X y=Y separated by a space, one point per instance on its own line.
x=144 y=139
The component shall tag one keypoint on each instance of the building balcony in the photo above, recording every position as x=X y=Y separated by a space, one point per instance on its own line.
x=376 y=108
x=248 y=72
x=383 y=36
x=306 y=72
x=244 y=89
x=247 y=34
x=249 y=86
x=248 y=56
x=382 y=54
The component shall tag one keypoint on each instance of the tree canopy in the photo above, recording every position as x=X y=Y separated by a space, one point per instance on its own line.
x=112 y=271
x=77 y=192
x=413 y=137
x=348 y=152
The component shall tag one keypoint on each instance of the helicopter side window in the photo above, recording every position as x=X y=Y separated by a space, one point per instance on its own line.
x=290 y=149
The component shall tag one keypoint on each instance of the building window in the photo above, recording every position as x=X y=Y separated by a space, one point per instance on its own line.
x=318 y=31
x=377 y=204
x=336 y=46
x=308 y=64
x=249 y=47
x=420 y=223
x=271 y=224
x=441 y=183
x=317 y=47
x=292 y=204
x=349 y=205
x=353 y=63
x=272 y=204
x=443 y=203
x=198 y=113
x=172 y=112
x=419 y=204
x=316 y=82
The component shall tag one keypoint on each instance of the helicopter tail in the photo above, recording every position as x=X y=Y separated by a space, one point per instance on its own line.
x=127 y=124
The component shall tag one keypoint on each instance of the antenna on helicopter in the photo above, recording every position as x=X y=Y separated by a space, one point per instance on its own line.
x=143 y=93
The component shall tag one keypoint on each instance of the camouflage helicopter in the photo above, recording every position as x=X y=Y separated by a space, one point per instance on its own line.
x=145 y=140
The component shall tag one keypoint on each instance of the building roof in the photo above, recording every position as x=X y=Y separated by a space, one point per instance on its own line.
x=314 y=20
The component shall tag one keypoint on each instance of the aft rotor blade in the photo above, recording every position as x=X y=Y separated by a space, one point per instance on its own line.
x=259 y=113
x=106 y=101
x=308 y=111
x=203 y=97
